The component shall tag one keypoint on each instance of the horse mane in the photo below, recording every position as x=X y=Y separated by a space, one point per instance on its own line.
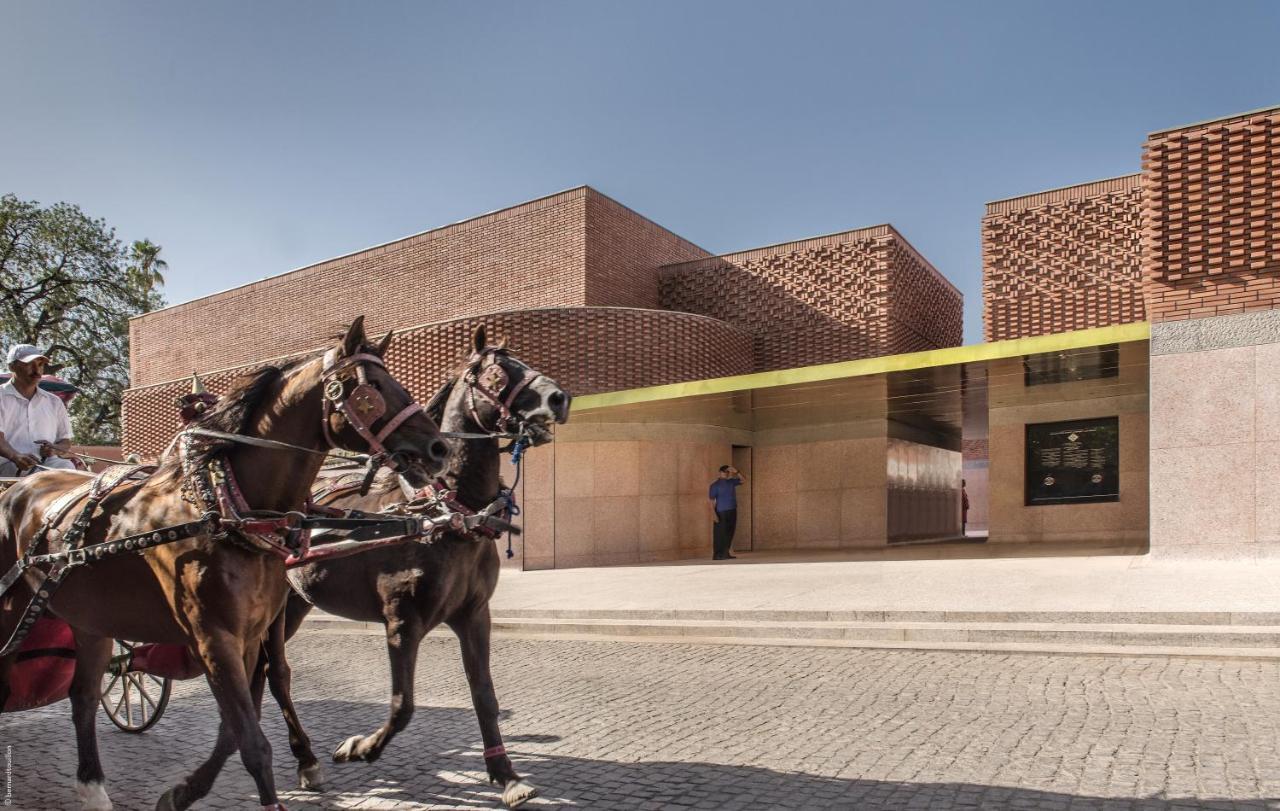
x=233 y=413
x=435 y=406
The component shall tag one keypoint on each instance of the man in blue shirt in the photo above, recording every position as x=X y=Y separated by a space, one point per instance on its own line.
x=724 y=503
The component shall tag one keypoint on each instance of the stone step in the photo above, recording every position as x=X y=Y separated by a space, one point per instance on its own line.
x=1219 y=618
x=1216 y=634
x=1025 y=632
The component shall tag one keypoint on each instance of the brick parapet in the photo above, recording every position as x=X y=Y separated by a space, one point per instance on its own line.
x=586 y=349
x=1063 y=259
x=825 y=298
x=1211 y=204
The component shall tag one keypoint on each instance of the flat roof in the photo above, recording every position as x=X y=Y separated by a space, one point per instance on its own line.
x=1057 y=342
x=1206 y=121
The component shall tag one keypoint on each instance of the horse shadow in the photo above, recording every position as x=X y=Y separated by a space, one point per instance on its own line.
x=436 y=762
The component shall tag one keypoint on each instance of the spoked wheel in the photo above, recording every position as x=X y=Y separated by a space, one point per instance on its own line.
x=133 y=701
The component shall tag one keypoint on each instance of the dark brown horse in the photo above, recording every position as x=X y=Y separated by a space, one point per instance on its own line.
x=218 y=593
x=415 y=587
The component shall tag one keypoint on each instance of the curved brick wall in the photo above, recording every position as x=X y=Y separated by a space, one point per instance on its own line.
x=586 y=349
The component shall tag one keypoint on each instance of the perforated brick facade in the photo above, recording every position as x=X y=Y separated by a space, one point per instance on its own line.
x=585 y=349
x=852 y=295
x=1063 y=260
x=1211 y=238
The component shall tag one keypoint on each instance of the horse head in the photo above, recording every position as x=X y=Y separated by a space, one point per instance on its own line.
x=498 y=393
x=367 y=410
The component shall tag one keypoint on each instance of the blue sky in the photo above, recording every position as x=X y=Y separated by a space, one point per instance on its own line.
x=253 y=138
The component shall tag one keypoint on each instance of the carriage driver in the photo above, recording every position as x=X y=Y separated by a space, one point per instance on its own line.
x=35 y=428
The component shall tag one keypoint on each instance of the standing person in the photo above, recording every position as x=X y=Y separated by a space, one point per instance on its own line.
x=35 y=428
x=964 y=509
x=724 y=505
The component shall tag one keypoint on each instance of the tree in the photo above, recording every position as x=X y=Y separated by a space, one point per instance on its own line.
x=68 y=285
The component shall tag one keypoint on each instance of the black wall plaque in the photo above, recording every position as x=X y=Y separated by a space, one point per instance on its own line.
x=1073 y=462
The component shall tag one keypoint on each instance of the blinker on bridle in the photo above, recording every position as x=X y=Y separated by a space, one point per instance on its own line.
x=360 y=409
x=489 y=382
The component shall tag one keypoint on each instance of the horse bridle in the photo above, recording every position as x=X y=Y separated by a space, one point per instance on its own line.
x=489 y=380
x=362 y=407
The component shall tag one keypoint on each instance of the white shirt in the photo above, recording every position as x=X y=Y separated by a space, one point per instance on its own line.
x=24 y=422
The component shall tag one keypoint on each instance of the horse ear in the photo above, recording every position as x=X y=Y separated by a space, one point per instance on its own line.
x=502 y=343
x=385 y=343
x=354 y=339
x=480 y=340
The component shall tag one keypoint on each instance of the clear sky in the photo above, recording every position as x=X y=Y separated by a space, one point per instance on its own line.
x=252 y=138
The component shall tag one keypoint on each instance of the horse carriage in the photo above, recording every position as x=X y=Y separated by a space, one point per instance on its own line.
x=229 y=512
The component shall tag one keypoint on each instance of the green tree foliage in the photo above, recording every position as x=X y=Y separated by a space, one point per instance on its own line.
x=68 y=285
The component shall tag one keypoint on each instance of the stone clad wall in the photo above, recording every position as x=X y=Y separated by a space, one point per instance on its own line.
x=1215 y=436
x=1118 y=525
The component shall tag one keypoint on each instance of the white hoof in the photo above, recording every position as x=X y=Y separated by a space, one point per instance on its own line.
x=93 y=797
x=345 y=753
x=311 y=778
x=518 y=792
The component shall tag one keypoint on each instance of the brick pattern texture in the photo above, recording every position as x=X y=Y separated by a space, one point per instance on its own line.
x=586 y=350
x=530 y=256
x=624 y=252
x=1211 y=238
x=1063 y=260
x=821 y=300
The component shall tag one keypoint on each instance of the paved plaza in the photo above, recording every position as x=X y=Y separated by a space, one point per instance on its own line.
x=604 y=725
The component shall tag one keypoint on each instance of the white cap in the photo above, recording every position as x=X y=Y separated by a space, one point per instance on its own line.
x=25 y=353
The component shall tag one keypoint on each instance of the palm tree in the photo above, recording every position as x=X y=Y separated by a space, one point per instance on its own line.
x=145 y=255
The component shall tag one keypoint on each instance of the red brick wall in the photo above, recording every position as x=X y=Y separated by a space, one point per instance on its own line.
x=531 y=255
x=824 y=299
x=925 y=310
x=1211 y=239
x=624 y=252
x=586 y=350
x=1063 y=260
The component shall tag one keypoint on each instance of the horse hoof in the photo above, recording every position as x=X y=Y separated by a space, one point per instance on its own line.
x=518 y=792
x=311 y=778
x=166 y=802
x=346 y=751
x=93 y=797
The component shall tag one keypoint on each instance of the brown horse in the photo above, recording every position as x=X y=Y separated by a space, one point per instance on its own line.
x=214 y=593
x=415 y=587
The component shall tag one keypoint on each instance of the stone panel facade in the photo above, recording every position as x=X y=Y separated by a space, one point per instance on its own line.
x=1211 y=195
x=857 y=294
x=1063 y=260
x=586 y=350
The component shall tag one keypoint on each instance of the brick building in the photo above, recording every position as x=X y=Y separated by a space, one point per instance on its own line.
x=587 y=290
x=1139 y=313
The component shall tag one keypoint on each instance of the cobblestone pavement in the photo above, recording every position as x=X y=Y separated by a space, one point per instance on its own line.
x=603 y=725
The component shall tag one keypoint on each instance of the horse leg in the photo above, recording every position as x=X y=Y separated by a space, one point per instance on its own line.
x=229 y=669
x=473 y=636
x=200 y=782
x=403 y=635
x=280 y=678
x=92 y=655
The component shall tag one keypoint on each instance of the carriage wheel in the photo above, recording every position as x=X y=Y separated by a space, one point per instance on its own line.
x=133 y=701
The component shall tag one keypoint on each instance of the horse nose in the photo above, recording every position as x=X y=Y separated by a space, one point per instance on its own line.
x=559 y=402
x=438 y=451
